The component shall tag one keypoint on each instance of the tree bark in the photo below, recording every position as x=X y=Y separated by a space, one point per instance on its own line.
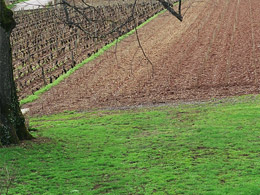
x=12 y=122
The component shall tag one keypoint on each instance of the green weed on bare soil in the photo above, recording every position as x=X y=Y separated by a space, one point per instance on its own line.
x=16 y=2
x=208 y=148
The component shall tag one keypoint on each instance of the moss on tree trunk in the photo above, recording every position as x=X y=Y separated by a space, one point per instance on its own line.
x=6 y=17
x=12 y=122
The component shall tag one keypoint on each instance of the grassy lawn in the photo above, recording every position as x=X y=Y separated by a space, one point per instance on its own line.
x=207 y=148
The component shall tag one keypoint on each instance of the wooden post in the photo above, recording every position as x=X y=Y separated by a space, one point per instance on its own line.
x=43 y=76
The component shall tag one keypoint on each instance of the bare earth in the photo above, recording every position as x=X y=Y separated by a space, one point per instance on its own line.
x=215 y=52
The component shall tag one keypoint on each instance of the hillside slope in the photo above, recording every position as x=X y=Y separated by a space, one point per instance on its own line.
x=214 y=52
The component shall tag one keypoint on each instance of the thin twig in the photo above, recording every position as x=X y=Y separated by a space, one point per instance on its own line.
x=142 y=49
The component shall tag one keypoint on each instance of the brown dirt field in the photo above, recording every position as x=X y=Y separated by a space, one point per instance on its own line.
x=213 y=53
x=108 y=2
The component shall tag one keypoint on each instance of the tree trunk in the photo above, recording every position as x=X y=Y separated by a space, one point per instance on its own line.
x=12 y=122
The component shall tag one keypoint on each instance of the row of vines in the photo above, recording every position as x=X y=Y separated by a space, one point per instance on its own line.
x=45 y=47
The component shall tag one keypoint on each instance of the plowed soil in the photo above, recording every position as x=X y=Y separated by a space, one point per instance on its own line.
x=214 y=52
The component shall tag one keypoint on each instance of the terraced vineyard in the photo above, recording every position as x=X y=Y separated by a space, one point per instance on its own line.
x=46 y=48
x=214 y=52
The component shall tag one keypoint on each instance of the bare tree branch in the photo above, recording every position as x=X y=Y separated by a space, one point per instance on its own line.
x=168 y=6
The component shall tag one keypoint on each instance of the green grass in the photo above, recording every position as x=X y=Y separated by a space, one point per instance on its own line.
x=206 y=148
x=16 y=2
x=37 y=94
